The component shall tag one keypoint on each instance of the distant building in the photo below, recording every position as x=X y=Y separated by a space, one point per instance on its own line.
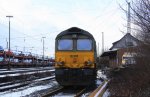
x=122 y=52
x=126 y=41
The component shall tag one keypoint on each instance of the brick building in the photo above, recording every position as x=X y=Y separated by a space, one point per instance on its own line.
x=123 y=52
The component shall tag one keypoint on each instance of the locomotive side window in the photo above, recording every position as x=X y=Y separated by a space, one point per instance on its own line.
x=84 y=44
x=65 y=44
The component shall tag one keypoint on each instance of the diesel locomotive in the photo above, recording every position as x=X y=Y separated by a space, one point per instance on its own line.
x=75 y=56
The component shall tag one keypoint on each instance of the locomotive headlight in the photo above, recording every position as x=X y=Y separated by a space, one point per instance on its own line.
x=85 y=62
x=88 y=63
x=61 y=63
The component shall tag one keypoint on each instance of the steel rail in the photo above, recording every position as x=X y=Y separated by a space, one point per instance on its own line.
x=53 y=92
x=80 y=93
x=25 y=71
x=18 y=85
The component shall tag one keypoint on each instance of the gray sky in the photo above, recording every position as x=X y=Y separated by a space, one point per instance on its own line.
x=34 y=19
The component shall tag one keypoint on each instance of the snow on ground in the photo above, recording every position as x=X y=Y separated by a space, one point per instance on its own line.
x=17 y=84
x=24 y=92
x=64 y=95
x=28 y=89
x=98 y=82
x=106 y=93
x=100 y=74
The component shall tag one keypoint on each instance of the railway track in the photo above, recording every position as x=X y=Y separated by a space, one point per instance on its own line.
x=24 y=71
x=62 y=89
x=80 y=92
x=11 y=85
x=50 y=93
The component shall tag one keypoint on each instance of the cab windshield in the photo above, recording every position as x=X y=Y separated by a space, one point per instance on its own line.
x=84 y=44
x=65 y=44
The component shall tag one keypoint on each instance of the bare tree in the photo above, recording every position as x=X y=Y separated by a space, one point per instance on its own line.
x=134 y=81
x=141 y=18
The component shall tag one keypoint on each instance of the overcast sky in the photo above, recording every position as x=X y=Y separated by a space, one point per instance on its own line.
x=34 y=19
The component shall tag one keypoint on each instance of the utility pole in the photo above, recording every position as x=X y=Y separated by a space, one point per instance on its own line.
x=24 y=45
x=129 y=19
x=6 y=44
x=102 y=42
x=9 y=42
x=98 y=50
x=31 y=49
x=43 y=48
x=128 y=25
x=16 y=48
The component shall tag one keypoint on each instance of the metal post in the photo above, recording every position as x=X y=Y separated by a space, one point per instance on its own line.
x=24 y=46
x=43 y=49
x=9 y=43
x=98 y=50
x=16 y=48
x=129 y=20
x=6 y=44
x=102 y=42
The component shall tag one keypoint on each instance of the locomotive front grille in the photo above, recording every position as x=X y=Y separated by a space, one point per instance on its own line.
x=75 y=76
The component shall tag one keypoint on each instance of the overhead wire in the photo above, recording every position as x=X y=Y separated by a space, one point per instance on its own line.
x=36 y=38
x=20 y=32
x=108 y=14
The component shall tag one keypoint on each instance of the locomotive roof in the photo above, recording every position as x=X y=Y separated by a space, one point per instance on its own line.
x=74 y=30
